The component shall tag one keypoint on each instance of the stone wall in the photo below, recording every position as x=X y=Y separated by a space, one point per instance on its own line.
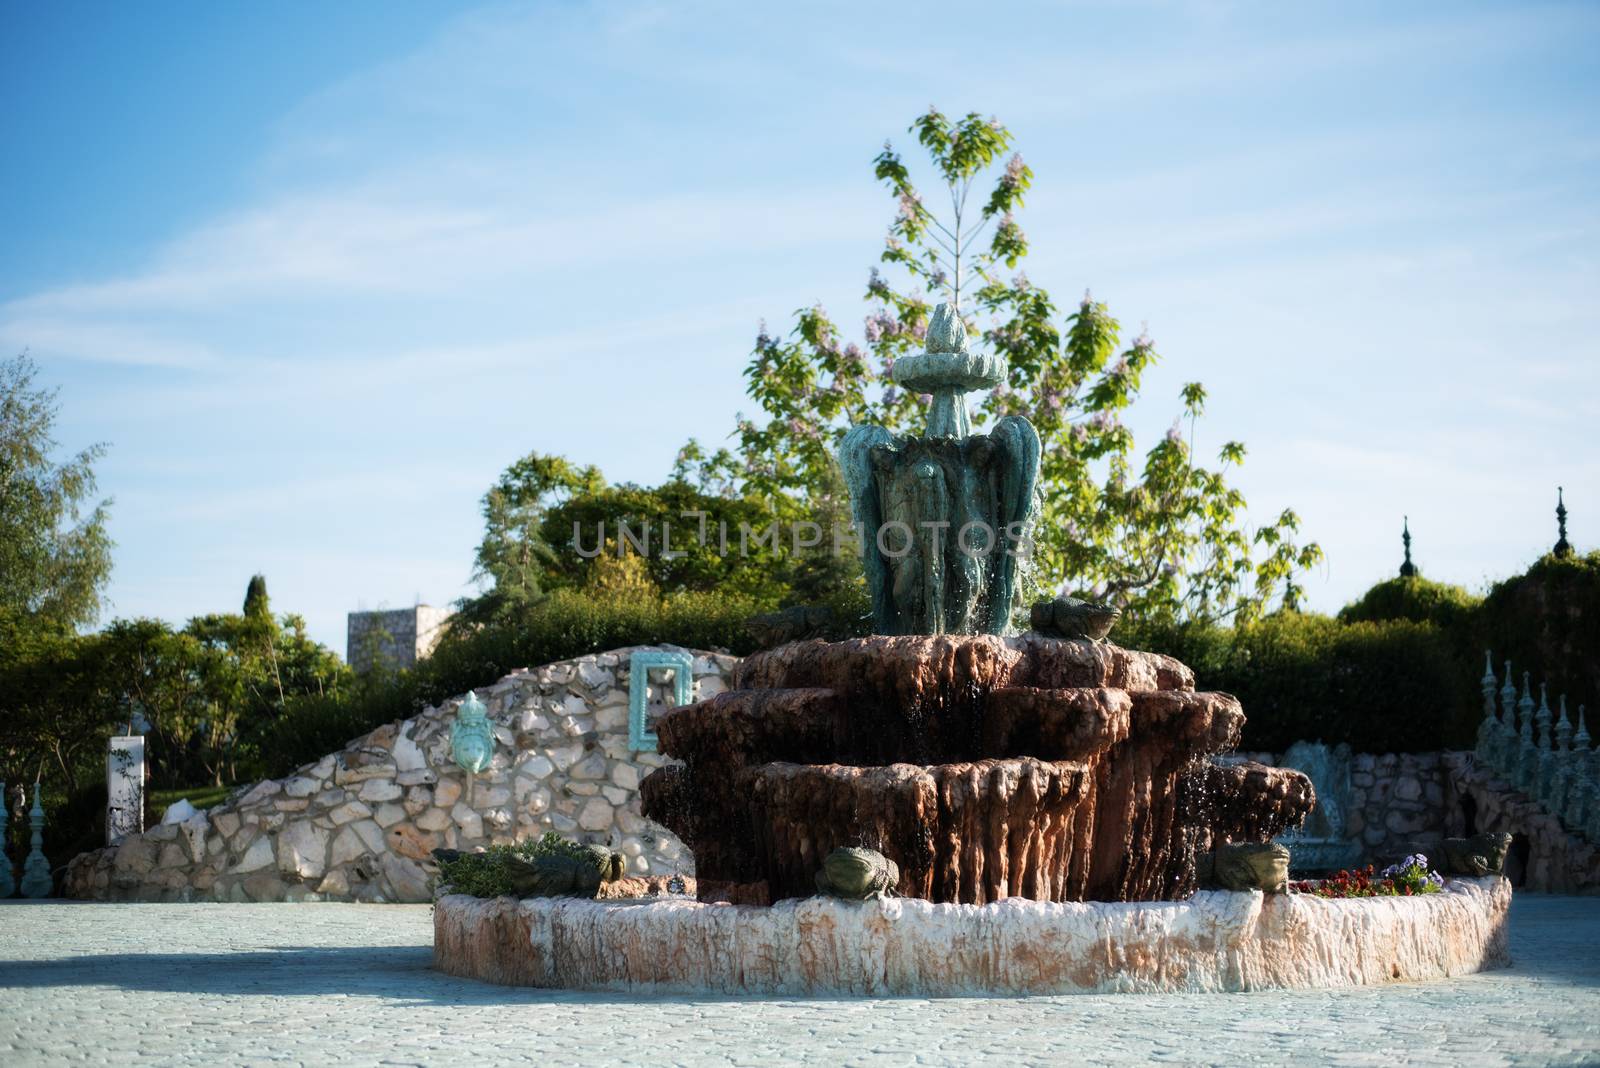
x=904 y=947
x=397 y=638
x=360 y=824
x=1396 y=804
x=1544 y=855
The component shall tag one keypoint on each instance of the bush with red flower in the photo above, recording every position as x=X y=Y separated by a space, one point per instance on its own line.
x=1410 y=877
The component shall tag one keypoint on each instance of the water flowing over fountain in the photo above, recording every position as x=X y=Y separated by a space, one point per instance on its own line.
x=985 y=766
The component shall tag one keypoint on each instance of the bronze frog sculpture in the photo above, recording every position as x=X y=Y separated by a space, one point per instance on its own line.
x=1071 y=617
x=857 y=874
x=792 y=624
x=1482 y=854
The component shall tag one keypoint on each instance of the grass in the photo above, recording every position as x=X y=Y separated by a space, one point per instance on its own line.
x=198 y=796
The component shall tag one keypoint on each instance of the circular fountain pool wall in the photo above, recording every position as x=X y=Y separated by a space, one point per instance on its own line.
x=1213 y=942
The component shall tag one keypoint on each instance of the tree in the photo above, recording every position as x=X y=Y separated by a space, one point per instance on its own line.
x=55 y=554
x=54 y=716
x=551 y=524
x=256 y=603
x=1166 y=538
x=514 y=556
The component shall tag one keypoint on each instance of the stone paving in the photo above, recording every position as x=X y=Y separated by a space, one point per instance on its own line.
x=351 y=984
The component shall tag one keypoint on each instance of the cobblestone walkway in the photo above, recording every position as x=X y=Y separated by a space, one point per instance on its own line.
x=351 y=984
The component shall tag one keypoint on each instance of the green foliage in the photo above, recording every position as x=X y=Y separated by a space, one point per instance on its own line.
x=485 y=874
x=54 y=709
x=1547 y=621
x=55 y=554
x=256 y=603
x=514 y=556
x=199 y=796
x=1383 y=687
x=1417 y=599
x=550 y=525
x=1167 y=537
x=683 y=531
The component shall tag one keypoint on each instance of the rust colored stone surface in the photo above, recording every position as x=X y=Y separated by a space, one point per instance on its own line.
x=914 y=670
x=985 y=767
x=971 y=833
x=1068 y=724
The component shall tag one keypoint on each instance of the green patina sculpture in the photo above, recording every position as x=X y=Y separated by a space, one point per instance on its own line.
x=1251 y=866
x=8 y=883
x=36 y=878
x=792 y=624
x=944 y=517
x=1482 y=854
x=1069 y=617
x=471 y=736
x=858 y=874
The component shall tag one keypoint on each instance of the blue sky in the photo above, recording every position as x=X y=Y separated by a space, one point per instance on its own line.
x=317 y=273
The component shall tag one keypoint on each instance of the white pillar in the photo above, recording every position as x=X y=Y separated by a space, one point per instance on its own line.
x=124 y=787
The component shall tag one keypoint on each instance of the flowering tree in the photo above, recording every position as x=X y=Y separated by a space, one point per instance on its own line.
x=1167 y=539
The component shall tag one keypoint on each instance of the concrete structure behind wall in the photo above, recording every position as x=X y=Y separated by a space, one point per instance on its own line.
x=397 y=638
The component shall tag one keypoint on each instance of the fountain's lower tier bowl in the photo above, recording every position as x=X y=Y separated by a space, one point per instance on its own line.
x=1215 y=941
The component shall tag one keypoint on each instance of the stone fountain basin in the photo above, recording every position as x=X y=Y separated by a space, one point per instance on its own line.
x=1215 y=941
x=969 y=832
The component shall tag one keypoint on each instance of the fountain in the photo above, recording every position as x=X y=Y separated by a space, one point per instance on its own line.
x=1320 y=842
x=1046 y=804
x=984 y=766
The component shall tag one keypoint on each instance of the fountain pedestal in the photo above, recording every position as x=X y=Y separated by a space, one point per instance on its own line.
x=985 y=767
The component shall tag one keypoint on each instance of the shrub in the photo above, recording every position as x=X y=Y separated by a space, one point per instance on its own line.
x=1408 y=878
x=1417 y=599
x=485 y=874
x=1547 y=622
x=1381 y=687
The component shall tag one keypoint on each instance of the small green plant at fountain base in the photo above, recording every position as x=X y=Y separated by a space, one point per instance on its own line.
x=486 y=874
x=1410 y=877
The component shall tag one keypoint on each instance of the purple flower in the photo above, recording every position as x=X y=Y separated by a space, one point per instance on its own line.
x=1103 y=421
x=1175 y=433
x=910 y=206
x=1087 y=301
x=1013 y=170
x=1019 y=282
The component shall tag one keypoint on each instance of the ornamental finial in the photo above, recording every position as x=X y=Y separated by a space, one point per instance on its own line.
x=1563 y=547
x=1407 y=569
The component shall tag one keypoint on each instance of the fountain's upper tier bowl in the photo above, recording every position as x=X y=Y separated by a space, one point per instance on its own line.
x=915 y=669
x=927 y=372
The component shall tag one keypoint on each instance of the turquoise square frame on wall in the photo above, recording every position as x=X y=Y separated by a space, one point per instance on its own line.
x=641 y=739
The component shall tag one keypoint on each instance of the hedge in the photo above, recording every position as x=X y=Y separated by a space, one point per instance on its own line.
x=1390 y=686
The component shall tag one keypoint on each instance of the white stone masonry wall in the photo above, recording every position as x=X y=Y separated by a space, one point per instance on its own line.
x=360 y=824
